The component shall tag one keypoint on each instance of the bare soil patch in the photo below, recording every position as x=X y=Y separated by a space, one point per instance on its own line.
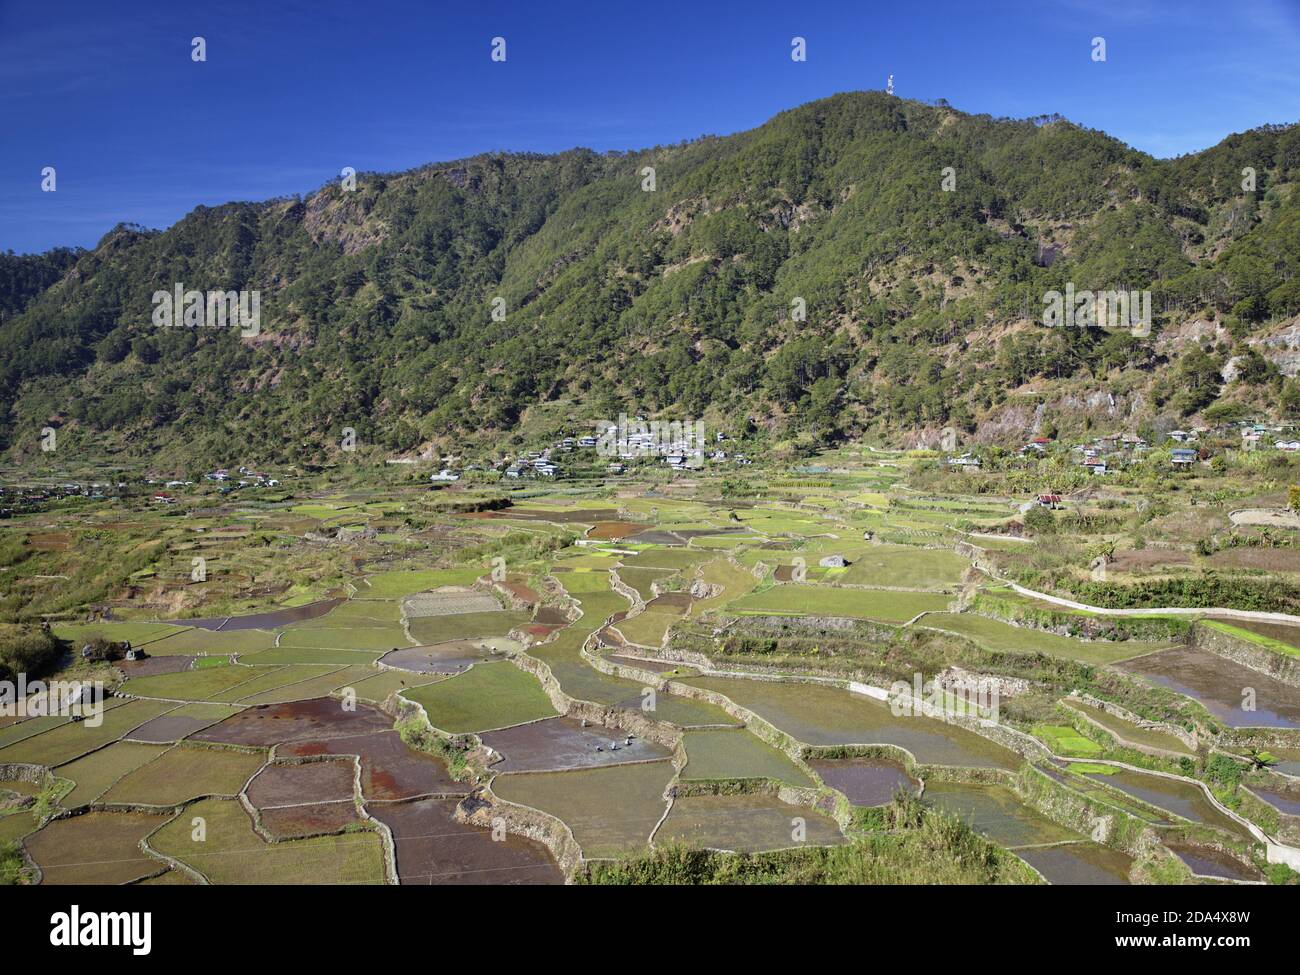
x=295 y=822
x=390 y=769
x=287 y=783
x=1265 y=559
x=317 y=719
x=150 y=666
x=611 y=530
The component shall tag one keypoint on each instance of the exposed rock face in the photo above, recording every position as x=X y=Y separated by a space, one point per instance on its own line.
x=341 y=219
x=1282 y=348
x=1198 y=331
x=958 y=677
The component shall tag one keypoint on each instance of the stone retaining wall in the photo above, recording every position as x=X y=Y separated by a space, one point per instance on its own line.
x=1250 y=655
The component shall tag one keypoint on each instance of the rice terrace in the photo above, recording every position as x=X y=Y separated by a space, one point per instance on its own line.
x=480 y=684
x=461 y=466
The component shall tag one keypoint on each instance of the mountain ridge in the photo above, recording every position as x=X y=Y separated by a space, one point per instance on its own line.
x=921 y=304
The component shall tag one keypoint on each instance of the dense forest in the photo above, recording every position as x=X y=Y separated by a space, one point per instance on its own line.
x=920 y=240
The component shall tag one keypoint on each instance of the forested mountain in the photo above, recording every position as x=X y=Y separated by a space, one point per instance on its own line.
x=923 y=305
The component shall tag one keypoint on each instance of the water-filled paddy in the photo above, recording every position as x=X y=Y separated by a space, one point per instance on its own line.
x=288 y=783
x=1219 y=685
x=819 y=714
x=1287 y=802
x=316 y=720
x=864 y=781
x=738 y=754
x=433 y=848
x=563 y=743
x=1079 y=863
x=745 y=824
x=1179 y=797
x=996 y=813
x=309 y=819
x=1206 y=861
x=182 y=722
x=390 y=769
x=610 y=810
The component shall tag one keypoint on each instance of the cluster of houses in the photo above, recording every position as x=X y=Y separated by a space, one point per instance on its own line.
x=1258 y=436
x=1109 y=452
x=1187 y=447
x=621 y=444
x=533 y=464
x=16 y=499
x=72 y=489
x=1099 y=456
x=247 y=477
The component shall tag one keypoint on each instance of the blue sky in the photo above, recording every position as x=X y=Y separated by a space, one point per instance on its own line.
x=293 y=91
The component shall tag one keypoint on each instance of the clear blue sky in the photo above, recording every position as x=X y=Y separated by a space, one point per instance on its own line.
x=106 y=91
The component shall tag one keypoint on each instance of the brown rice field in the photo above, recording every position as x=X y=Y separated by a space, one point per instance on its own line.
x=96 y=848
x=186 y=772
x=231 y=852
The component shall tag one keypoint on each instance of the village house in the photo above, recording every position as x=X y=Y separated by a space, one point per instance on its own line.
x=1183 y=457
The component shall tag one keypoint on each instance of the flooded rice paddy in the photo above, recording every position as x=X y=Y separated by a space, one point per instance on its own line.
x=819 y=714
x=1221 y=686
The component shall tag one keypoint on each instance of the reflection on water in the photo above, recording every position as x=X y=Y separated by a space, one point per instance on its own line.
x=865 y=781
x=1209 y=862
x=996 y=814
x=1079 y=863
x=1287 y=802
x=264 y=621
x=1220 y=685
x=1183 y=799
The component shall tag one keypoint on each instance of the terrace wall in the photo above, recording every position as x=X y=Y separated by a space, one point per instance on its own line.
x=1257 y=658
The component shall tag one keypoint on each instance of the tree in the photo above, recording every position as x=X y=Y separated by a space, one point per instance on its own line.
x=1039 y=521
